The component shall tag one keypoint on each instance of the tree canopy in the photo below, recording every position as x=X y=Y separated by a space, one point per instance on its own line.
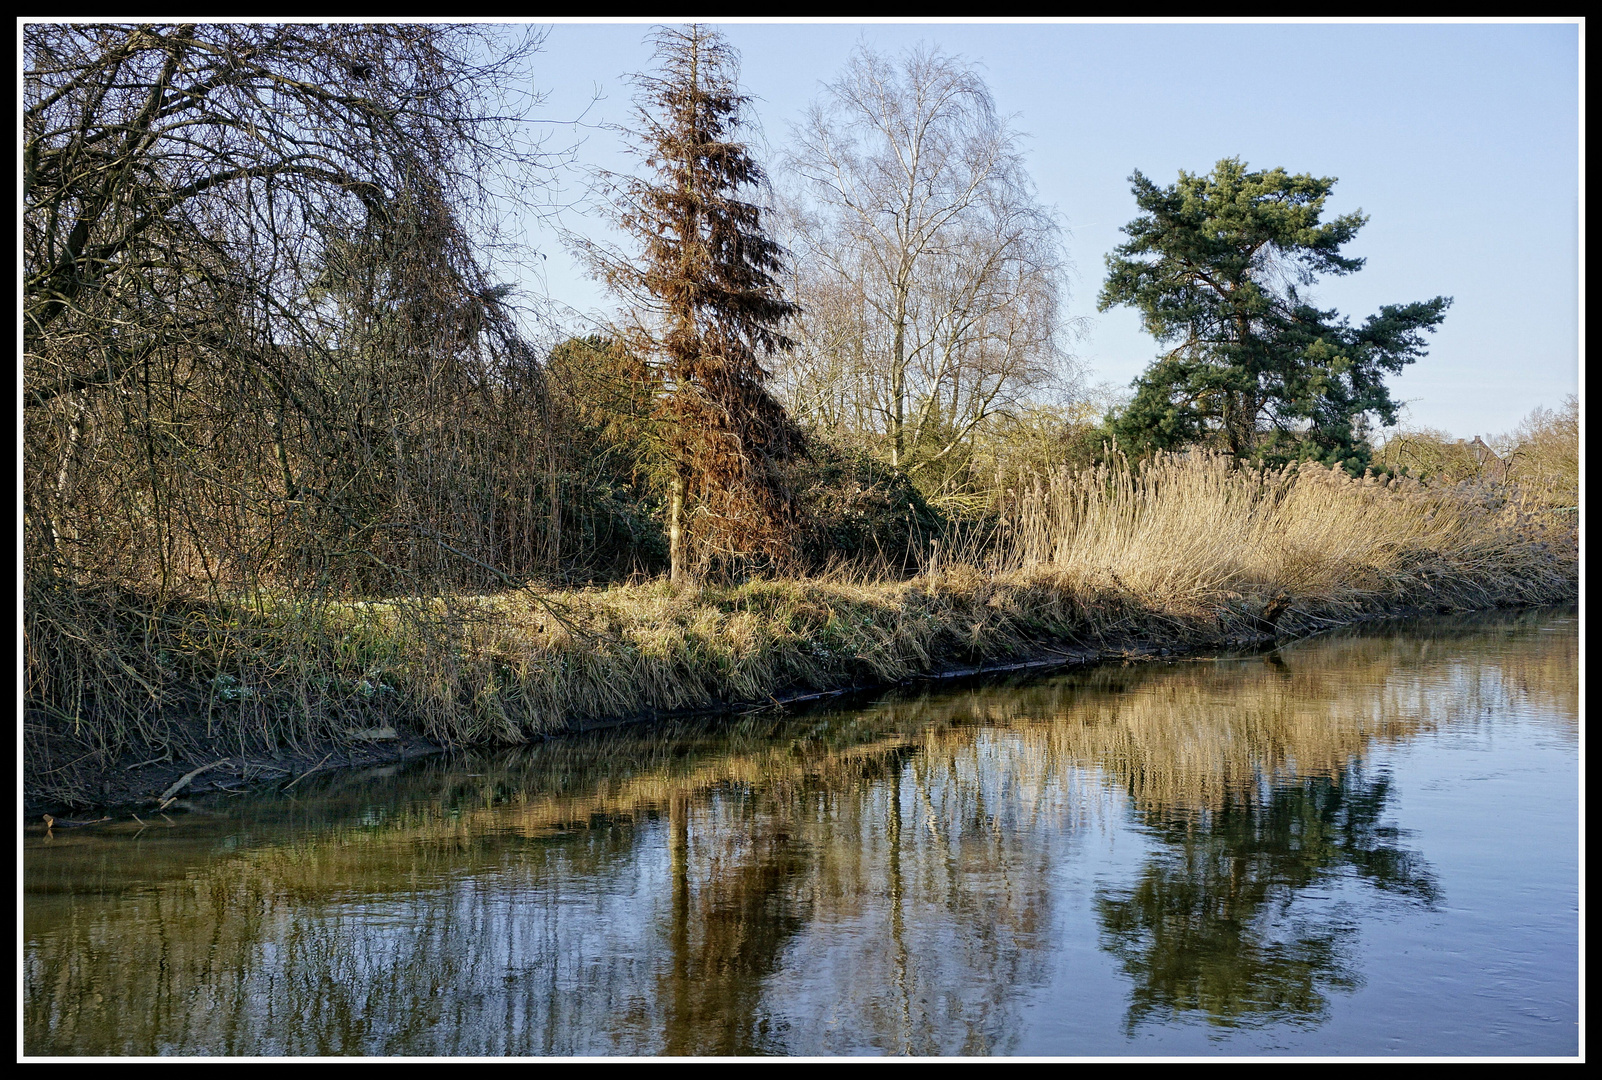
x=1215 y=265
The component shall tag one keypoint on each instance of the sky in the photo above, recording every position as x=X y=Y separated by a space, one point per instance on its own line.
x=1461 y=142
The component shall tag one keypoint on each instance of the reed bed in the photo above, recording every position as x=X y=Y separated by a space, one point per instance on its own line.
x=1183 y=552
x=1191 y=534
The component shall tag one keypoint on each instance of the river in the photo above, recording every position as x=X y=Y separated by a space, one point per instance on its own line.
x=1361 y=844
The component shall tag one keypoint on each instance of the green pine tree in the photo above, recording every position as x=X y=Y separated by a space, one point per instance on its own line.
x=1214 y=265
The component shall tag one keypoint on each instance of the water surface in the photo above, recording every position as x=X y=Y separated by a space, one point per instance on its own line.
x=1361 y=844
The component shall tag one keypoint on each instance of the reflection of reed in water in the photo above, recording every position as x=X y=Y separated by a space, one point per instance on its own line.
x=1195 y=735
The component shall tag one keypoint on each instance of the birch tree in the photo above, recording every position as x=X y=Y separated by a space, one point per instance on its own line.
x=940 y=273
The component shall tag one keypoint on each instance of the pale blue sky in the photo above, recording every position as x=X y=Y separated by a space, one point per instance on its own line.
x=1461 y=143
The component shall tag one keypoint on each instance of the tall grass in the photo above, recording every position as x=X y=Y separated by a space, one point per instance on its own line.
x=1181 y=552
x=1192 y=534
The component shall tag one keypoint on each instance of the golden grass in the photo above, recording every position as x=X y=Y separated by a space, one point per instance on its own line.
x=1184 y=552
x=1186 y=532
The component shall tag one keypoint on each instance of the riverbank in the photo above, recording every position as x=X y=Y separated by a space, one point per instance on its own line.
x=128 y=694
x=766 y=645
x=132 y=787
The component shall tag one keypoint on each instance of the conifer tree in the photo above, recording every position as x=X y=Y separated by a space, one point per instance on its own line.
x=1214 y=265
x=705 y=286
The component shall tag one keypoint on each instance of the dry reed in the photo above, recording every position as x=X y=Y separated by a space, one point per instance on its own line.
x=1184 y=552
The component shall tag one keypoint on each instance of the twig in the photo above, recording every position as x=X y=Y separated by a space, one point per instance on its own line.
x=307 y=773
x=183 y=781
x=58 y=823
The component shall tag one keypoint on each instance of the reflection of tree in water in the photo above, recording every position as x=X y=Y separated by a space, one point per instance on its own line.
x=726 y=939
x=1219 y=921
x=891 y=882
x=935 y=894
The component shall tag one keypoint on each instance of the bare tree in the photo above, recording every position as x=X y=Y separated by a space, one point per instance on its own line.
x=828 y=378
x=937 y=274
x=708 y=304
x=253 y=307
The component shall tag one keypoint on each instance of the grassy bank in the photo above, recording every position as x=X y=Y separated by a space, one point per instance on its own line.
x=1185 y=553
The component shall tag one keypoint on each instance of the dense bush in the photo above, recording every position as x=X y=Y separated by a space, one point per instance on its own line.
x=857 y=511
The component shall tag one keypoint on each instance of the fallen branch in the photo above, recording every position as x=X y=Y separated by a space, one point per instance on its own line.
x=307 y=773
x=53 y=823
x=183 y=781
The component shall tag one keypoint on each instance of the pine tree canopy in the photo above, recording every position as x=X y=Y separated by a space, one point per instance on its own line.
x=1215 y=265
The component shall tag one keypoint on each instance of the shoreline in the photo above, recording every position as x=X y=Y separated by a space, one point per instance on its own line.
x=157 y=786
x=131 y=687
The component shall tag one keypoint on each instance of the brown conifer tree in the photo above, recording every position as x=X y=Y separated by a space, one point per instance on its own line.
x=706 y=281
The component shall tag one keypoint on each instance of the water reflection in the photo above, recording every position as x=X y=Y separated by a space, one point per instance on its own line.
x=883 y=880
x=1222 y=919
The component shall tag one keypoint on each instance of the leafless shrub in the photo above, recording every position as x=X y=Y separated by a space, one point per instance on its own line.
x=263 y=362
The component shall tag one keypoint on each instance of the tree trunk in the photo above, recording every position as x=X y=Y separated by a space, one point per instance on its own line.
x=898 y=380
x=676 y=570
